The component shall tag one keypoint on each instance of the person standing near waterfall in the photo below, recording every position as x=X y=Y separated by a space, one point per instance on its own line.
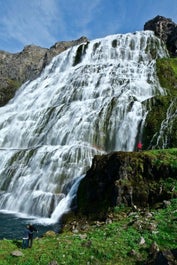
x=32 y=229
x=139 y=146
x=26 y=235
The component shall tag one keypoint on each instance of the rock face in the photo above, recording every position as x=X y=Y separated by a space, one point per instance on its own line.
x=165 y=29
x=17 y=68
x=136 y=179
x=165 y=257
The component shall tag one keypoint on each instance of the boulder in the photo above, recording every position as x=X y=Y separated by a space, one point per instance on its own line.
x=17 y=253
x=164 y=257
x=165 y=29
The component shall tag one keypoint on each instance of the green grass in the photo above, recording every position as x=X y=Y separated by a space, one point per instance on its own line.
x=109 y=244
x=166 y=69
x=167 y=73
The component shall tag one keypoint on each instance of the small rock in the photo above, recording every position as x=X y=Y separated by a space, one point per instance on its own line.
x=132 y=252
x=54 y=262
x=142 y=241
x=50 y=234
x=83 y=236
x=87 y=244
x=75 y=231
x=17 y=253
x=166 y=203
x=154 y=248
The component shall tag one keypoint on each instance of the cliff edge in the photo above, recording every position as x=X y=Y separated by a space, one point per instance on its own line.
x=26 y=65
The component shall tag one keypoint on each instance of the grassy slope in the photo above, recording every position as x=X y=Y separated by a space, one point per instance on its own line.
x=167 y=73
x=115 y=243
x=107 y=244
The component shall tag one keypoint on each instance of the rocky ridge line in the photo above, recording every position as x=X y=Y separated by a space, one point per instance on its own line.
x=17 y=68
x=165 y=29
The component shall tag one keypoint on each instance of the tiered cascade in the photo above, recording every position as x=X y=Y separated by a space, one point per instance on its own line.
x=90 y=100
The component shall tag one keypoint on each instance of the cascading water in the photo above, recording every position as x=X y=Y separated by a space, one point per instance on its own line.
x=89 y=100
x=162 y=139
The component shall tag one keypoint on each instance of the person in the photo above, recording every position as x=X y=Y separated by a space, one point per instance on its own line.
x=25 y=242
x=32 y=229
x=139 y=146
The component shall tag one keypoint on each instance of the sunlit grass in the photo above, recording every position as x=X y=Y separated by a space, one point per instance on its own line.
x=110 y=243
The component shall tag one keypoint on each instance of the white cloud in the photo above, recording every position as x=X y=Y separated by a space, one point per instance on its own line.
x=31 y=21
x=44 y=22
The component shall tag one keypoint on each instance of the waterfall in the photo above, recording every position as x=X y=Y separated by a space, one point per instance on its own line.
x=161 y=139
x=91 y=99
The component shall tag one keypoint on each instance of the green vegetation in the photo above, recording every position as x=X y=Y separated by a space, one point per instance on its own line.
x=116 y=243
x=141 y=178
x=8 y=92
x=165 y=156
x=167 y=74
x=166 y=69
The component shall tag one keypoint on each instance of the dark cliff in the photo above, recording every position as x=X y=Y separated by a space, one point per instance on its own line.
x=137 y=179
x=165 y=29
x=15 y=69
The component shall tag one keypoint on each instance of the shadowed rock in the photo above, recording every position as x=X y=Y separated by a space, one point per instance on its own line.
x=165 y=29
x=130 y=178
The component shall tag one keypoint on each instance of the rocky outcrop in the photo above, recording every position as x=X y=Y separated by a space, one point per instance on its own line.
x=137 y=179
x=165 y=29
x=164 y=257
x=17 y=68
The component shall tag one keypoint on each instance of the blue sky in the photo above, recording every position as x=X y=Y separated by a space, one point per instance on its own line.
x=45 y=22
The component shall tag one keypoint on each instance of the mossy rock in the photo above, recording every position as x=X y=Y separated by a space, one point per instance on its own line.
x=8 y=92
x=161 y=105
x=132 y=178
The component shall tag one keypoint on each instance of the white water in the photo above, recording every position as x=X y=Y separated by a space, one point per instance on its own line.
x=161 y=138
x=54 y=126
